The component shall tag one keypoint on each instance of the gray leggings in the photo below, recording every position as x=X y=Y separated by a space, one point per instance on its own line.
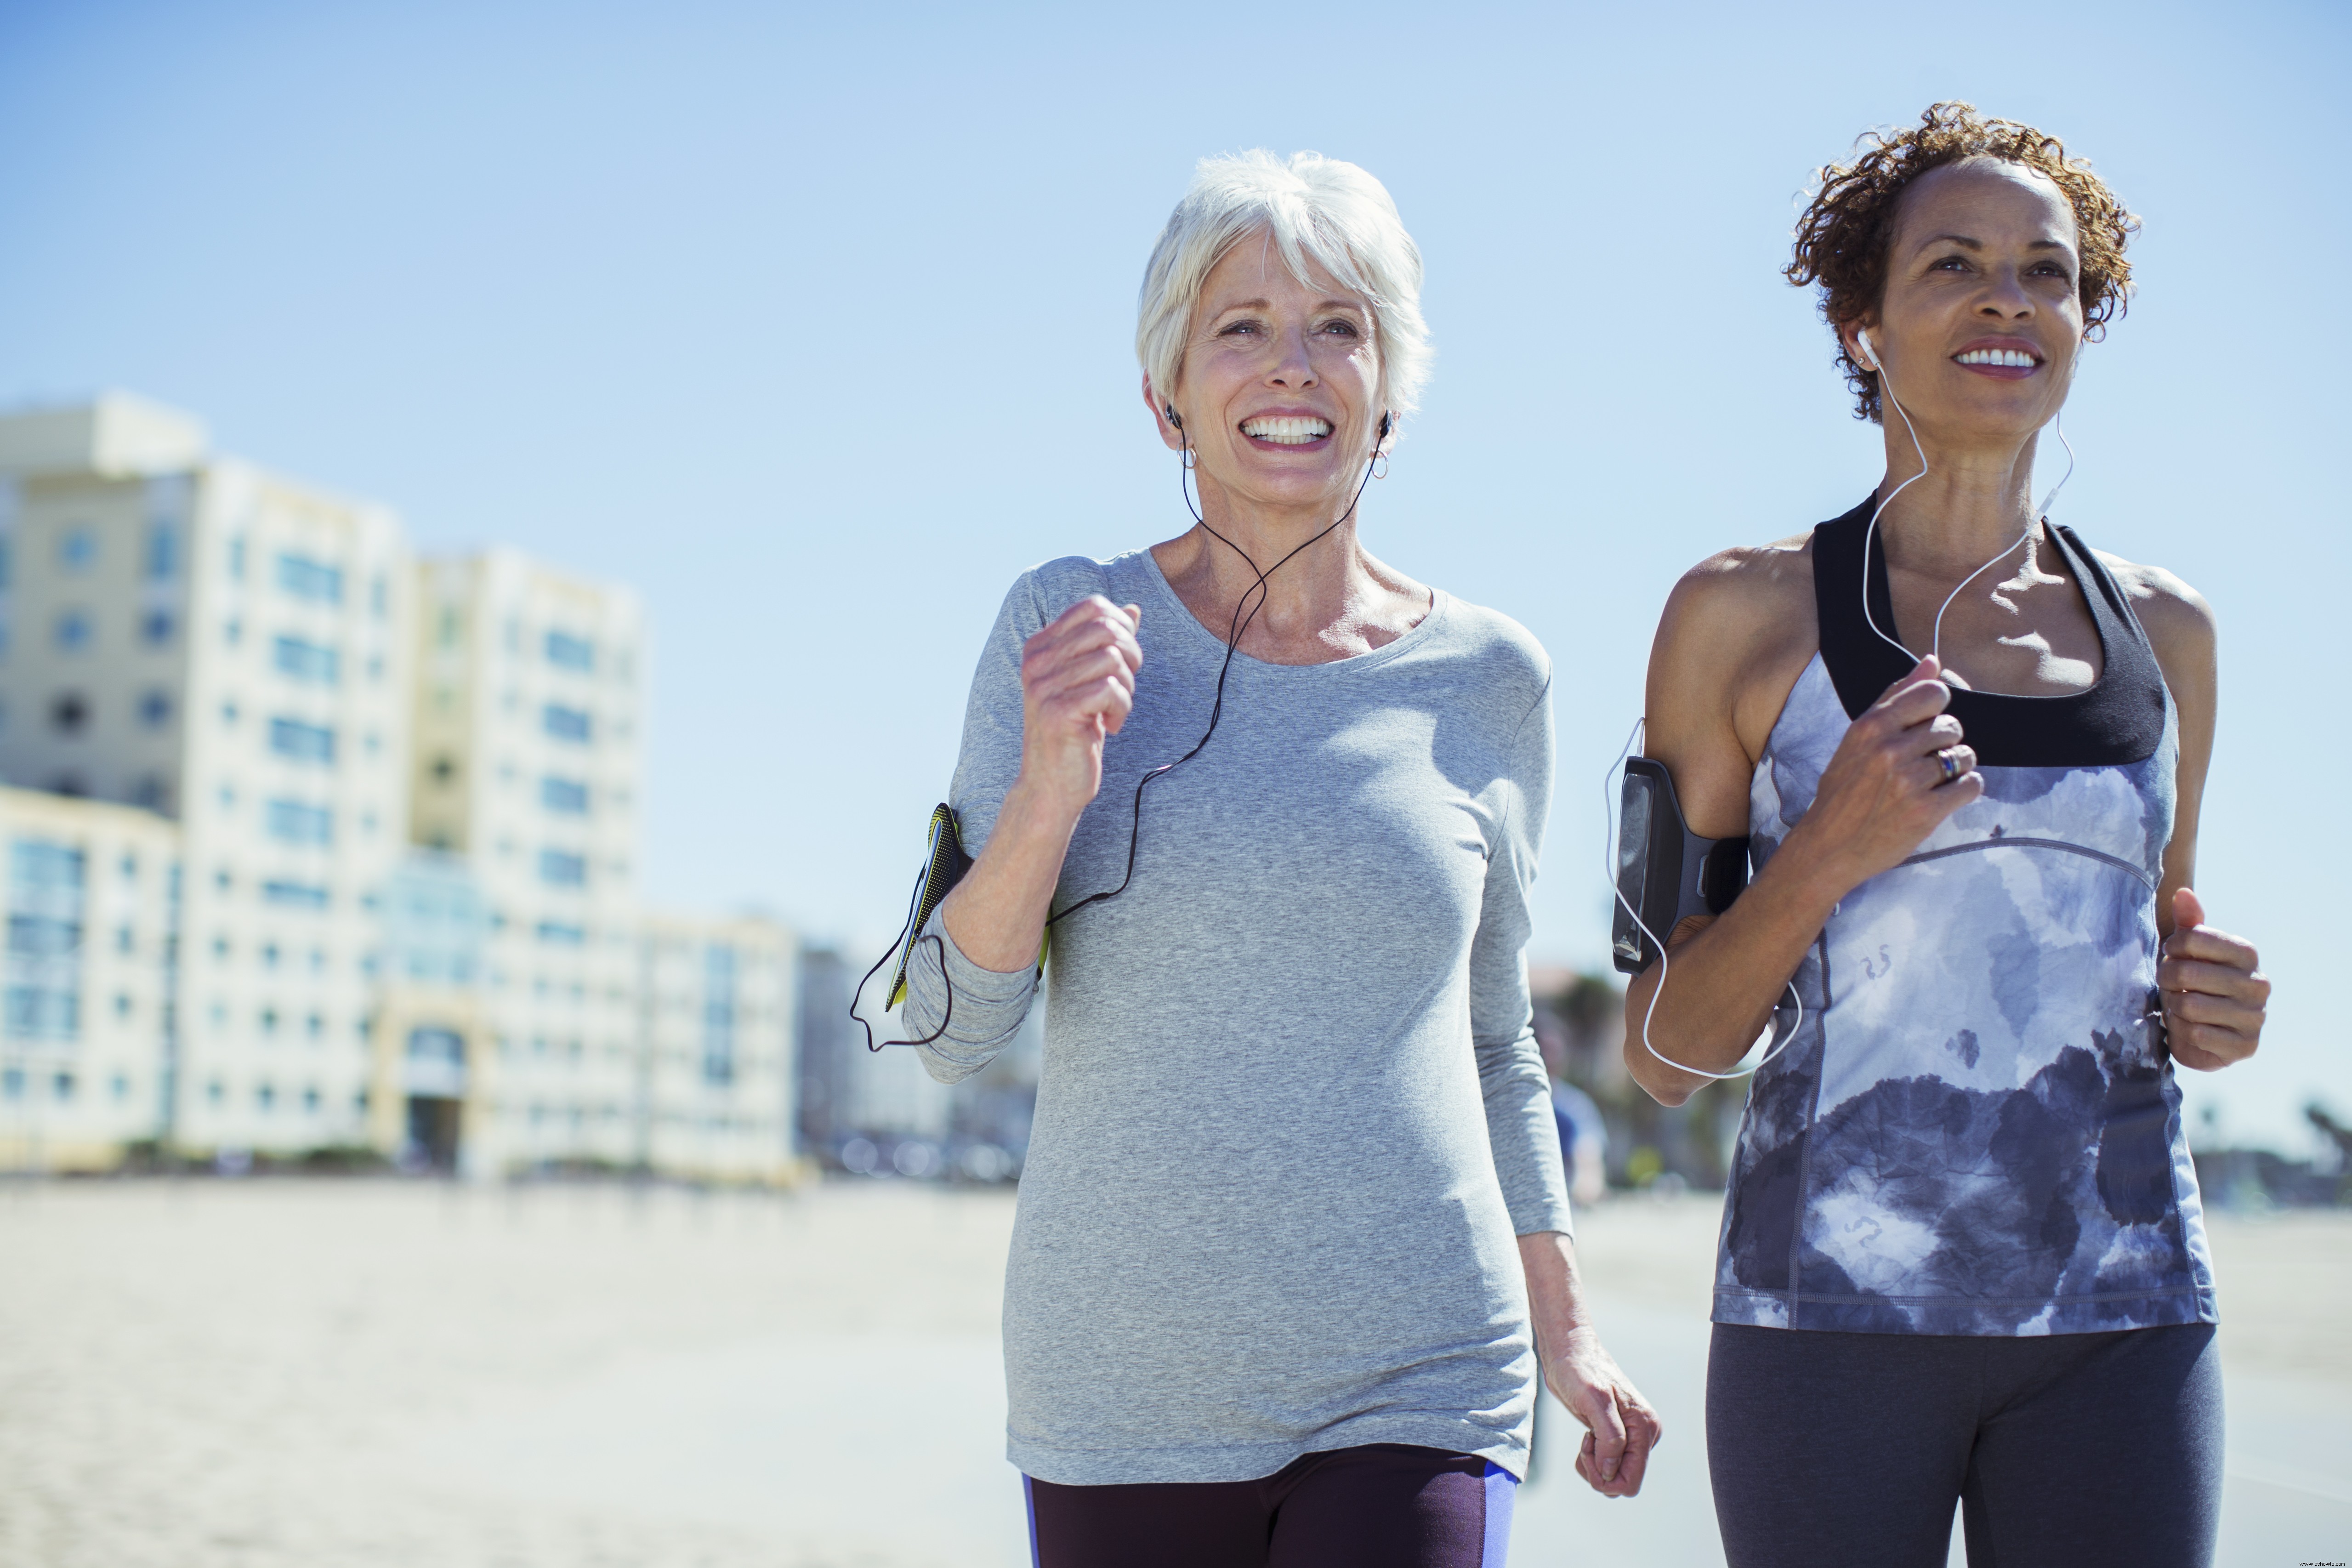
x=1829 y=1449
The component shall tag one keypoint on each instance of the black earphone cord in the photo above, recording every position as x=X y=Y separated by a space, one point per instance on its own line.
x=1239 y=627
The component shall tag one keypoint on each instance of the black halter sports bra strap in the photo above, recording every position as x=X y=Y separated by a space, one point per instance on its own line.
x=2120 y=718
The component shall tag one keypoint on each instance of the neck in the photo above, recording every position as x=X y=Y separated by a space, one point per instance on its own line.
x=1323 y=596
x=1973 y=501
x=1310 y=565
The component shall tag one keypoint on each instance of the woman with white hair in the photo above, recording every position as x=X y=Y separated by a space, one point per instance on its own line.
x=1293 y=1233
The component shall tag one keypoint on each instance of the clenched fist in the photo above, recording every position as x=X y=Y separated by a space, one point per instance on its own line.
x=2214 y=996
x=1887 y=788
x=1078 y=686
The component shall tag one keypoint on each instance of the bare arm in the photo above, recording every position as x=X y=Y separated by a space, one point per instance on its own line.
x=1077 y=685
x=2215 y=995
x=1708 y=714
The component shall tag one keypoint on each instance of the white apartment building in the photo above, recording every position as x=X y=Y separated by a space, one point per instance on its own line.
x=194 y=635
x=528 y=706
x=717 y=999
x=372 y=845
x=91 y=895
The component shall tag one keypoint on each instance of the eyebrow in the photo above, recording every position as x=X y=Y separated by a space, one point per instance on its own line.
x=1962 y=240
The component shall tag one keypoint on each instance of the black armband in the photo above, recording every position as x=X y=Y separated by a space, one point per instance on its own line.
x=1665 y=873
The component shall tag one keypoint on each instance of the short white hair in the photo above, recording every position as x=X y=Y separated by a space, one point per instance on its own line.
x=1316 y=208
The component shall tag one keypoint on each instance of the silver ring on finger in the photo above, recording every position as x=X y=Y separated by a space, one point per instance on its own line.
x=1950 y=758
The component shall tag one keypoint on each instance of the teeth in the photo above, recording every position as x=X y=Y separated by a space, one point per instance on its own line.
x=1286 y=431
x=2014 y=358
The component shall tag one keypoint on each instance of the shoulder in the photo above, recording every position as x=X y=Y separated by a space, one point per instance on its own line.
x=2177 y=617
x=1738 y=598
x=1749 y=585
x=1047 y=589
x=1509 y=656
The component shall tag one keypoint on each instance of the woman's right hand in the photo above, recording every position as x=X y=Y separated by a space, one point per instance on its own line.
x=1077 y=685
x=1885 y=789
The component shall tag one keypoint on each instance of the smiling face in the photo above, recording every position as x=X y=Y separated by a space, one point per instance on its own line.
x=1281 y=383
x=1981 y=317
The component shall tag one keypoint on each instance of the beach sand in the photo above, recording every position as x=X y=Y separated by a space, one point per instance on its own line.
x=342 y=1374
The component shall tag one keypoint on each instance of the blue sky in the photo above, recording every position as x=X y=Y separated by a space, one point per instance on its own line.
x=815 y=327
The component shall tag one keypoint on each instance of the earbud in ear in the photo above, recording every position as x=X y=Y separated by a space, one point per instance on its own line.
x=1174 y=420
x=1388 y=423
x=1869 y=355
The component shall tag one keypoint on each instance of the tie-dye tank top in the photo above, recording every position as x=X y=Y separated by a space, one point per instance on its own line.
x=1976 y=1129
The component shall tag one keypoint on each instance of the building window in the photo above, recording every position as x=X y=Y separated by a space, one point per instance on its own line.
x=163 y=552
x=266 y=1096
x=43 y=995
x=121 y=1004
x=317 y=1026
x=124 y=941
x=310 y=1100
x=380 y=596
x=155 y=708
x=718 y=1013
x=561 y=869
x=73 y=631
x=69 y=712
x=312 y=579
x=308 y=661
x=445 y=770
x=557 y=931
x=568 y=652
x=62 y=1086
x=567 y=796
x=566 y=723
x=150 y=792
x=233 y=632
x=122 y=1086
x=303 y=743
x=451 y=624
x=216 y=1091
x=155 y=627
x=294 y=895
x=78 y=550
x=294 y=822
x=236 y=558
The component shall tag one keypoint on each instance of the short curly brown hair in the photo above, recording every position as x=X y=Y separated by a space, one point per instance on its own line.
x=1842 y=238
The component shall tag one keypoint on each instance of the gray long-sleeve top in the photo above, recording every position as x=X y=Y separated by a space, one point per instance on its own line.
x=1291 y=1113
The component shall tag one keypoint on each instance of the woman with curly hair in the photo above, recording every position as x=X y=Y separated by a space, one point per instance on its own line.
x=1962 y=1256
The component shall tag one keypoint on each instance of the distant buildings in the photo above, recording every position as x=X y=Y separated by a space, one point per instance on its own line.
x=315 y=845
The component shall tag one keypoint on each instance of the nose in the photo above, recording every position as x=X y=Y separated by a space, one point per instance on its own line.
x=1294 y=367
x=2007 y=297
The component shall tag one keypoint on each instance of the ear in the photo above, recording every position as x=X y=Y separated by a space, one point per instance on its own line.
x=1850 y=335
x=1170 y=437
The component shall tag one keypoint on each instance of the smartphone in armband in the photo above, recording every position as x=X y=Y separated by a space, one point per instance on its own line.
x=1665 y=873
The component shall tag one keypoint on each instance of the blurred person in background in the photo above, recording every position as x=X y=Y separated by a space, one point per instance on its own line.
x=1963 y=1256
x=1583 y=1135
x=1293 y=1236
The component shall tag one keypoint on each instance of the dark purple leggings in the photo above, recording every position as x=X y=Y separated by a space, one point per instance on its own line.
x=1384 y=1505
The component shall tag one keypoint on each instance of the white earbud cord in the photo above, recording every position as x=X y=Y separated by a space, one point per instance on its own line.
x=1935 y=642
x=1609 y=869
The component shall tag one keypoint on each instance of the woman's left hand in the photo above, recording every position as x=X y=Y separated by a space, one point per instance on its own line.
x=2213 y=993
x=1620 y=1427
